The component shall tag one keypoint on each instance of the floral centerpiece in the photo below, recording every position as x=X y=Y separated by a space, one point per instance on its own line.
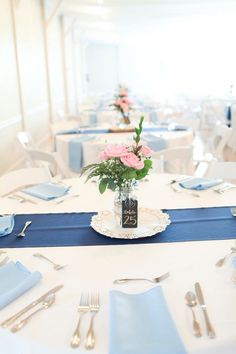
x=122 y=104
x=121 y=166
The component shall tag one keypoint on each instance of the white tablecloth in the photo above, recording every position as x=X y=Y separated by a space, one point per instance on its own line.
x=95 y=268
x=92 y=148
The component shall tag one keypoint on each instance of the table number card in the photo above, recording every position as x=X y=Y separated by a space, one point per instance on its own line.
x=129 y=213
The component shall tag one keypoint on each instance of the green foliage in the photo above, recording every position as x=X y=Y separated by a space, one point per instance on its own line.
x=112 y=173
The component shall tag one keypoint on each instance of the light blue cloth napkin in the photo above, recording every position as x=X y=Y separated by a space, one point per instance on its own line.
x=69 y=131
x=6 y=225
x=154 y=142
x=93 y=118
x=177 y=127
x=46 y=191
x=153 y=116
x=200 y=183
x=15 y=280
x=75 y=151
x=142 y=324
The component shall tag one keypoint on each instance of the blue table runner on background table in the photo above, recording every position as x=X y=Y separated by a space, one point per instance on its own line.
x=73 y=229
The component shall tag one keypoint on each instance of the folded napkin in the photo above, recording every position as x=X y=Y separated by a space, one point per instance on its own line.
x=200 y=183
x=142 y=324
x=75 y=151
x=6 y=224
x=154 y=142
x=15 y=280
x=46 y=191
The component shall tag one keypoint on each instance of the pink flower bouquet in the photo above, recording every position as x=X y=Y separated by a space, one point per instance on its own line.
x=121 y=165
x=123 y=105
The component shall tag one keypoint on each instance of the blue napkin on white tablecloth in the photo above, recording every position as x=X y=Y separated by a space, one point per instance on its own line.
x=6 y=224
x=46 y=191
x=15 y=280
x=154 y=142
x=200 y=183
x=75 y=151
x=142 y=324
x=177 y=127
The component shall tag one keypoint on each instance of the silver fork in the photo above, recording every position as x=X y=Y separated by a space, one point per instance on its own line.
x=21 y=199
x=55 y=265
x=22 y=232
x=83 y=308
x=153 y=280
x=94 y=308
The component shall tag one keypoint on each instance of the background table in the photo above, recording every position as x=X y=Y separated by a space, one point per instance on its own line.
x=92 y=148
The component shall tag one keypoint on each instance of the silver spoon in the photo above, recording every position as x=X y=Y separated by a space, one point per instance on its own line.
x=45 y=305
x=190 y=300
x=154 y=280
x=22 y=232
x=233 y=211
x=55 y=265
x=221 y=261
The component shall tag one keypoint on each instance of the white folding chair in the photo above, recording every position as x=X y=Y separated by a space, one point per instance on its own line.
x=53 y=161
x=219 y=169
x=174 y=160
x=25 y=139
x=222 y=135
x=17 y=179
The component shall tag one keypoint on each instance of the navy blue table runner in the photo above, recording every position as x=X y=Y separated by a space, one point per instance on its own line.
x=73 y=229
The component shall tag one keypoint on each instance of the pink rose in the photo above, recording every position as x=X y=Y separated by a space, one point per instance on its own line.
x=103 y=156
x=146 y=151
x=124 y=107
x=118 y=102
x=126 y=101
x=123 y=92
x=114 y=151
x=131 y=160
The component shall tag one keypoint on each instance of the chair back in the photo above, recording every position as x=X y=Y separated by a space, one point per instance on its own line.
x=219 y=169
x=25 y=139
x=53 y=161
x=174 y=160
x=222 y=135
x=22 y=178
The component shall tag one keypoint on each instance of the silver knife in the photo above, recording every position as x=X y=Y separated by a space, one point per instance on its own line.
x=210 y=330
x=13 y=318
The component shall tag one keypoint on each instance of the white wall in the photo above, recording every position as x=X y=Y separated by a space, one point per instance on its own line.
x=102 y=70
x=35 y=114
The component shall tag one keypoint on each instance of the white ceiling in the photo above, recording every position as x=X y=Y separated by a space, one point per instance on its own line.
x=115 y=19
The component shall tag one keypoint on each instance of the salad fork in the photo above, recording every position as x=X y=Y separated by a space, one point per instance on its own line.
x=94 y=308
x=82 y=309
x=55 y=265
x=153 y=280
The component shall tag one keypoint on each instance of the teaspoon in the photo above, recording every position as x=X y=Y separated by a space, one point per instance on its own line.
x=190 y=300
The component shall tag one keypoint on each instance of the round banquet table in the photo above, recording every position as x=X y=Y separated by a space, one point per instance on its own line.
x=91 y=148
x=95 y=267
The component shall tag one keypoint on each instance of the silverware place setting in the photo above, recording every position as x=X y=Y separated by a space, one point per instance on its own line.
x=191 y=301
x=22 y=232
x=66 y=198
x=21 y=199
x=152 y=280
x=56 y=266
x=222 y=260
x=176 y=188
x=46 y=300
x=209 y=328
x=223 y=188
x=88 y=304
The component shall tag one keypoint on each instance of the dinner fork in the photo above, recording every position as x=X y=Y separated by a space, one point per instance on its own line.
x=68 y=197
x=153 y=280
x=21 y=199
x=4 y=261
x=55 y=265
x=82 y=309
x=94 y=308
